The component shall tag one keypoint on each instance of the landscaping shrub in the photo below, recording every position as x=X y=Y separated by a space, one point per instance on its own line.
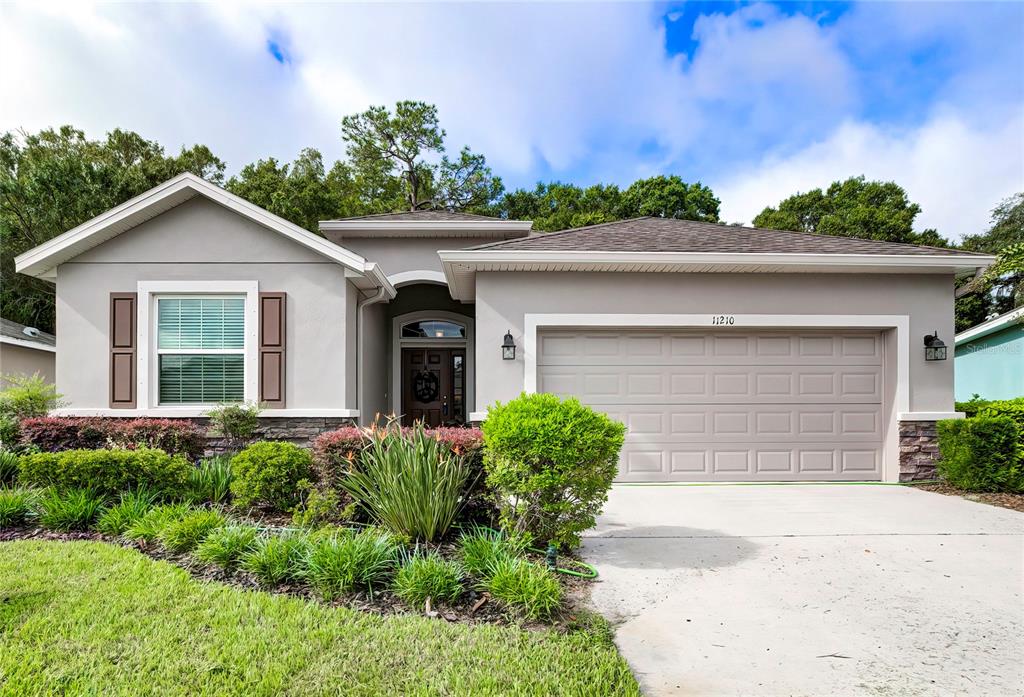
x=149 y=527
x=129 y=509
x=226 y=546
x=70 y=509
x=57 y=433
x=269 y=473
x=210 y=480
x=1013 y=408
x=17 y=506
x=108 y=472
x=481 y=549
x=344 y=562
x=185 y=533
x=525 y=587
x=237 y=424
x=8 y=466
x=277 y=558
x=428 y=576
x=982 y=454
x=23 y=397
x=970 y=407
x=320 y=507
x=411 y=483
x=551 y=463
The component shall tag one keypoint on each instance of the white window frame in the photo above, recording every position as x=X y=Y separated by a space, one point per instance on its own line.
x=149 y=352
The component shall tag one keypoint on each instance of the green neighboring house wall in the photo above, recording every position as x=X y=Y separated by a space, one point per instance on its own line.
x=991 y=365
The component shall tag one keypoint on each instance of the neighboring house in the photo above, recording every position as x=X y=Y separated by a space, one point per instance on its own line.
x=26 y=351
x=730 y=353
x=990 y=358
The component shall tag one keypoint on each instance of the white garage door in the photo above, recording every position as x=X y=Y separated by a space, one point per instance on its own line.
x=730 y=405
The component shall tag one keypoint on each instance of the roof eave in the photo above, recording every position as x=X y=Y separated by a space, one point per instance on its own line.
x=509 y=229
x=992 y=326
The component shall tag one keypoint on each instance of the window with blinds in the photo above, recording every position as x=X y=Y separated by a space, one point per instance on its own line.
x=201 y=349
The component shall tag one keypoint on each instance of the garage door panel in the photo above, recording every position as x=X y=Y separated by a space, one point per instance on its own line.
x=710 y=384
x=693 y=347
x=712 y=461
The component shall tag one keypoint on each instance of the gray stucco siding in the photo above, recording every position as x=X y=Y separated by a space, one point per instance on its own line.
x=194 y=242
x=398 y=254
x=503 y=299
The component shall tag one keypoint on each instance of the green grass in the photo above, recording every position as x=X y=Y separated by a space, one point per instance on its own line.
x=92 y=618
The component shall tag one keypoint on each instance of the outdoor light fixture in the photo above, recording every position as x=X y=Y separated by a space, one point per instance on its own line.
x=934 y=348
x=508 y=347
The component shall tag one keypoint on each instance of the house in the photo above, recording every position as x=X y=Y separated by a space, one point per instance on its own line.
x=989 y=358
x=730 y=353
x=26 y=351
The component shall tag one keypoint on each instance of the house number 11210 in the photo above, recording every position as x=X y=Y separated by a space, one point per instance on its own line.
x=723 y=319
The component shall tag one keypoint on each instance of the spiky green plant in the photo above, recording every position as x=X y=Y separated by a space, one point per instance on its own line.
x=184 y=534
x=17 y=506
x=481 y=548
x=277 y=558
x=425 y=576
x=130 y=508
x=525 y=587
x=210 y=481
x=226 y=546
x=149 y=526
x=70 y=509
x=344 y=562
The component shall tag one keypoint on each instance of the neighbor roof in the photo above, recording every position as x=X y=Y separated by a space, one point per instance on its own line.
x=425 y=224
x=672 y=235
x=42 y=261
x=421 y=215
x=990 y=327
x=21 y=335
x=652 y=245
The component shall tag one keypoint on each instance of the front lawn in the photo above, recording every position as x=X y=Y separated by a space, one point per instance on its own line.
x=86 y=617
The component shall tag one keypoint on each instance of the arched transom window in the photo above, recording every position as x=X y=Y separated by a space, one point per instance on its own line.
x=433 y=329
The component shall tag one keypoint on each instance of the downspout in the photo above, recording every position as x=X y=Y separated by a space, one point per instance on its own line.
x=373 y=299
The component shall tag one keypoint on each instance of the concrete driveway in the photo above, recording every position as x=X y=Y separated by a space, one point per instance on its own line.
x=812 y=590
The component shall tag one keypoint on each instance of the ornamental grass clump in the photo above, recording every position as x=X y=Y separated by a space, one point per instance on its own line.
x=184 y=534
x=345 y=562
x=277 y=558
x=17 y=506
x=424 y=576
x=8 y=466
x=71 y=509
x=149 y=527
x=480 y=549
x=525 y=587
x=210 y=480
x=226 y=546
x=130 y=508
x=410 y=483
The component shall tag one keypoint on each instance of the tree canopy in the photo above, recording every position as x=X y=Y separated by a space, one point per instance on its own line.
x=1001 y=288
x=53 y=180
x=856 y=207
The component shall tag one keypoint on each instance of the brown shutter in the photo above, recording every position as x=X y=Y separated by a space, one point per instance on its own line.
x=122 y=349
x=272 y=341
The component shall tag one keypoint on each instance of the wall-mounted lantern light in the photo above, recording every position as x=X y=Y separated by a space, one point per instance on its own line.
x=934 y=347
x=508 y=347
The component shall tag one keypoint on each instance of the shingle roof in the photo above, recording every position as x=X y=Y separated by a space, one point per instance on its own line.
x=13 y=330
x=421 y=215
x=672 y=235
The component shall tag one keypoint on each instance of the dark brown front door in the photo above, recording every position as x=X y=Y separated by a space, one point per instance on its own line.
x=433 y=386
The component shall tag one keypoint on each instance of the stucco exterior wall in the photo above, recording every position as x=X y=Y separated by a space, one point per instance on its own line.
x=398 y=254
x=991 y=366
x=502 y=300
x=200 y=240
x=21 y=360
x=376 y=368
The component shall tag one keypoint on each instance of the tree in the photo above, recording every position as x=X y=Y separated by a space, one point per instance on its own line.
x=53 y=180
x=870 y=210
x=1001 y=287
x=398 y=144
x=670 y=197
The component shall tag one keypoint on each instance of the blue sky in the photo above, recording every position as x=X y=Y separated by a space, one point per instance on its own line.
x=758 y=100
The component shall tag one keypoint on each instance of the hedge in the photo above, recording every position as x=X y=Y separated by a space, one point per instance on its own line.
x=106 y=471
x=58 y=433
x=984 y=453
x=1013 y=408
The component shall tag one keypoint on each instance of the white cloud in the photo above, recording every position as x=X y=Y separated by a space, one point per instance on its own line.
x=956 y=172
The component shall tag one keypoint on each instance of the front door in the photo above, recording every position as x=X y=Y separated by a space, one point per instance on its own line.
x=433 y=386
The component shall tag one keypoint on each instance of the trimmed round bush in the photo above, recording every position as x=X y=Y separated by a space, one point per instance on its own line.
x=107 y=472
x=428 y=576
x=550 y=463
x=269 y=474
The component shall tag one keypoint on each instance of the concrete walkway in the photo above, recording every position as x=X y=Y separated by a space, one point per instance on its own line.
x=812 y=590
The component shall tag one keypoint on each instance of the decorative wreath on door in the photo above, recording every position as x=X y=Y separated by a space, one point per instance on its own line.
x=426 y=386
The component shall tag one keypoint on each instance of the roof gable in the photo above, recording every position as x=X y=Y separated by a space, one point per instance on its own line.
x=42 y=261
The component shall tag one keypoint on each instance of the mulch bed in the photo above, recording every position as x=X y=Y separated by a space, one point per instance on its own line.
x=1012 y=501
x=473 y=608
